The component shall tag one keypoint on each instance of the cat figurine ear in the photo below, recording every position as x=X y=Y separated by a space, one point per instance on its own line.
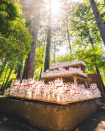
x=60 y=79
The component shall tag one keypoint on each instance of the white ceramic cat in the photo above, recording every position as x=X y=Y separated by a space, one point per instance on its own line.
x=34 y=90
x=47 y=92
x=38 y=92
x=15 y=84
x=43 y=92
x=63 y=96
x=7 y=92
x=68 y=91
x=28 y=94
x=41 y=83
x=24 y=83
x=95 y=90
x=59 y=84
x=31 y=82
x=74 y=94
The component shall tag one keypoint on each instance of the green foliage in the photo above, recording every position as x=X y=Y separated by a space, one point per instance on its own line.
x=39 y=61
x=8 y=12
x=9 y=83
x=5 y=74
x=86 y=38
x=14 y=36
x=93 y=57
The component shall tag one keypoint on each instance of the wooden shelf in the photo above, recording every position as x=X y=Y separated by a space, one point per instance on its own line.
x=75 y=77
x=65 y=76
x=54 y=102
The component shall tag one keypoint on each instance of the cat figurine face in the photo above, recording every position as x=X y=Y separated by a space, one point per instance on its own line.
x=31 y=81
x=67 y=86
x=16 y=83
x=24 y=83
x=41 y=83
x=51 y=85
x=59 y=82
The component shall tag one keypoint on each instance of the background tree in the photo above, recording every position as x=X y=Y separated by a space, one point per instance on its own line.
x=30 y=61
x=14 y=36
x=99 y=20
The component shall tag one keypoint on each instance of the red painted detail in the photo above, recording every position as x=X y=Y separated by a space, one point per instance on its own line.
x=24 y=85
x=59 y=86
x=95 y=88
x=15 y=85
x=31 y=84
x=68 y=90
x=51 y=92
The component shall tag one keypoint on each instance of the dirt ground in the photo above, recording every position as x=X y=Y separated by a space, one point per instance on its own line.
x=94 y=123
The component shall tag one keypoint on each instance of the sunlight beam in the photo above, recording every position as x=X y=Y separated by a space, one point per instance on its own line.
x=55 y=6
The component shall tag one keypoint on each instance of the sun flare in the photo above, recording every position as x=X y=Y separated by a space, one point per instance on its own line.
x=55 y=7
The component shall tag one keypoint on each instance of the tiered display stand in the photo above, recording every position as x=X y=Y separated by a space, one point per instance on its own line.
x=74 y=77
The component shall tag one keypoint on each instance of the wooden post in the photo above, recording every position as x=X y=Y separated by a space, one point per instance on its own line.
x=75 y=80
x=86 y=84
x=83 y=70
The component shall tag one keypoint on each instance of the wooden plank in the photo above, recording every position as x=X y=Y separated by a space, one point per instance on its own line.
x=80 y=77
x=64 y=76
x=94 y=77
x=54 y=102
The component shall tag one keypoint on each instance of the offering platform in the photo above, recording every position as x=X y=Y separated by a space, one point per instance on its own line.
x=50 y=116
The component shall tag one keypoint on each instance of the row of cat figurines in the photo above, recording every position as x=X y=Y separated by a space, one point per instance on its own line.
x=65 y=64
x=54 y=91
x=62 y=71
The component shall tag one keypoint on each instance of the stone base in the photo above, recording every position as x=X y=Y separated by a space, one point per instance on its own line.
x=51 y=117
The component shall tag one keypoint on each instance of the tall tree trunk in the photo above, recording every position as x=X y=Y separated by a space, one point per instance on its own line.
x=99 y=21
x=68 y=37
x=98 y=72
x=40 y=74
x=25 y=72
x=19 y=71
x=47 y=56
x=4 y=79
x=1 y=88
x=30 y=61
x=3 y=67
x=7 y=81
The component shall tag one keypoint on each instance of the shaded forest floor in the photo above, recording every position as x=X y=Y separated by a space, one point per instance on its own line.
x=94 y=123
